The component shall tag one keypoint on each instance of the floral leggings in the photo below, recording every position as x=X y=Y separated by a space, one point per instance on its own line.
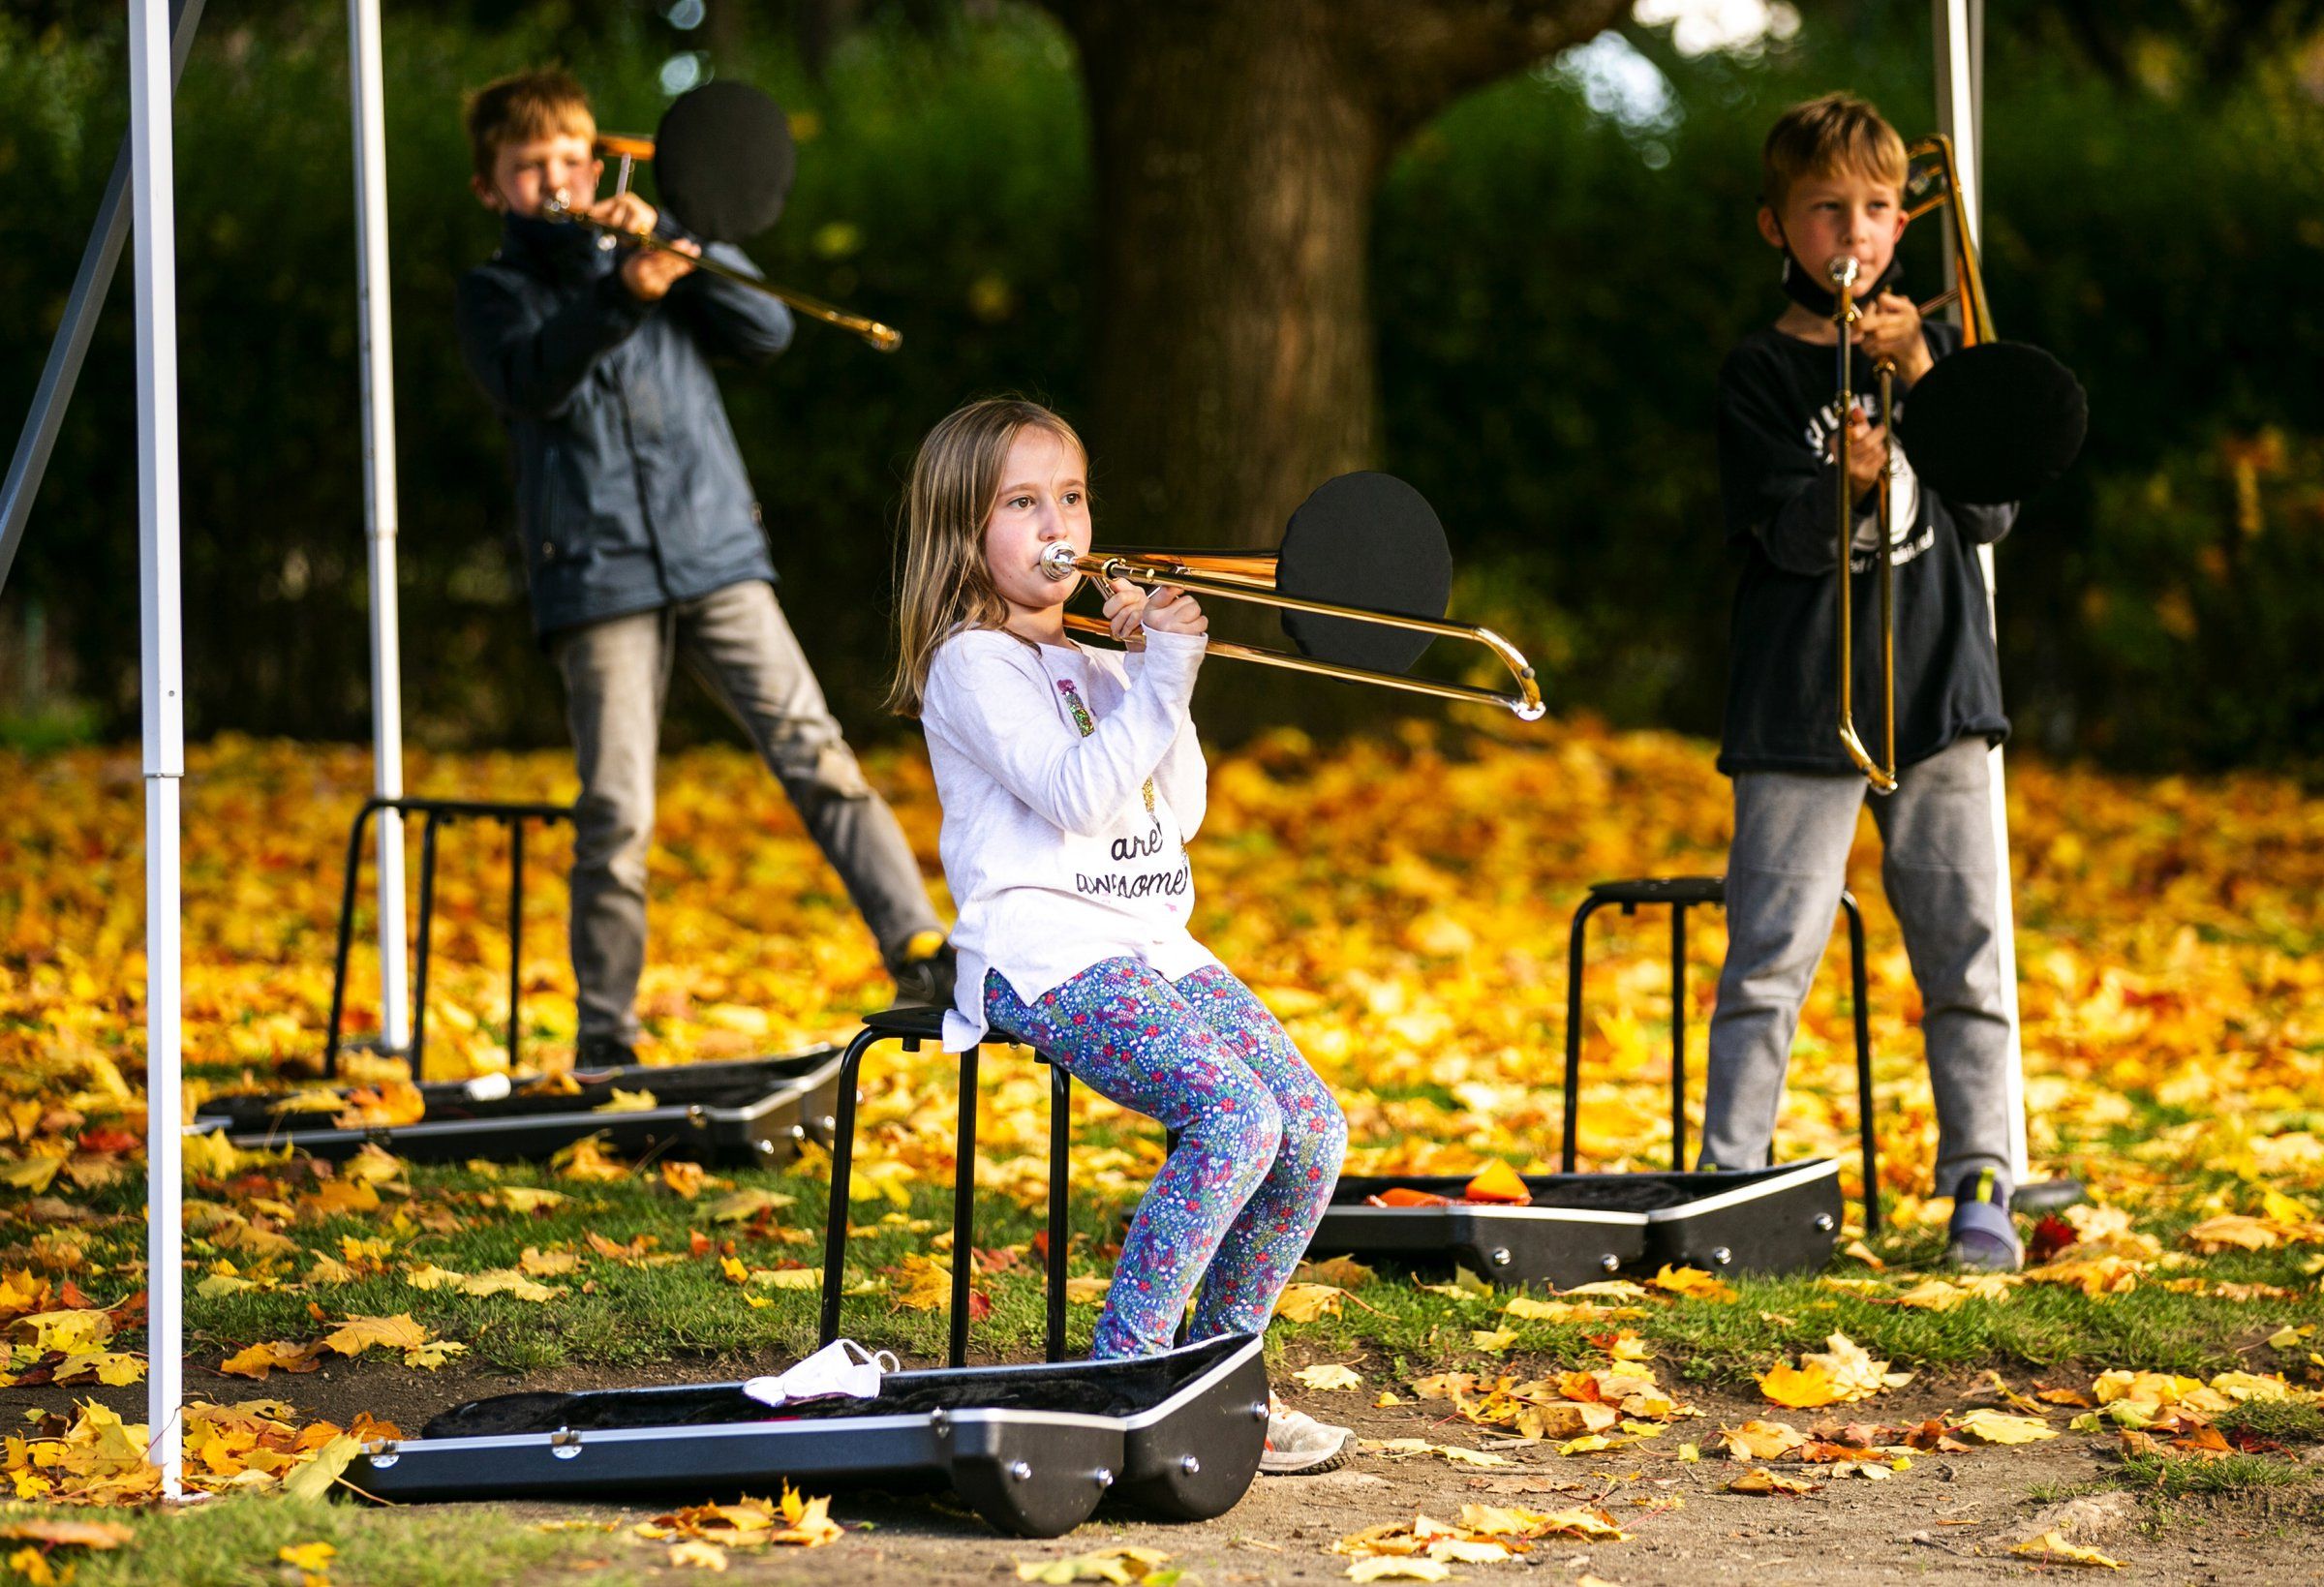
x=1260 y=1141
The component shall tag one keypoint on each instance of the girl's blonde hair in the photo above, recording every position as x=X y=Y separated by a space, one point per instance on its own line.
x=945 y=585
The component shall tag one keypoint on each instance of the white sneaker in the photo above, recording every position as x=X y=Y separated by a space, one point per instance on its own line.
x=1299 y=1445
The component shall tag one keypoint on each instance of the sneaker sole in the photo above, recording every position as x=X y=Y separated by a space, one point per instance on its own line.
x=1316 y=1468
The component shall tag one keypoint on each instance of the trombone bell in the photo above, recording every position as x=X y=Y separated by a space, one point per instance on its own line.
x=1344 y=627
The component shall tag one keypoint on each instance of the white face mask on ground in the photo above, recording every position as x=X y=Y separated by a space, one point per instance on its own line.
x=842 y=1368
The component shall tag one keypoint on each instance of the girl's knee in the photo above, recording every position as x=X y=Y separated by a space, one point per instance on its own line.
x=1244 y=1126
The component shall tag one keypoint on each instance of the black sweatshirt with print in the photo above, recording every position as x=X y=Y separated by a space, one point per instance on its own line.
x=1776 y=408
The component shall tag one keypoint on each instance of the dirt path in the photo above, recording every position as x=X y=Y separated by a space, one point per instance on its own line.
x=1951 y=1517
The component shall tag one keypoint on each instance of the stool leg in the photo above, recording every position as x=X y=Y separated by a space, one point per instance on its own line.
x=419 y=970
x=963 y=1211
x=1678 y=1038
x=1573 y=952
x=1060 y=1130
x=1861 y=991
x=517 y=935
x=346 y=928
x=843 y=1165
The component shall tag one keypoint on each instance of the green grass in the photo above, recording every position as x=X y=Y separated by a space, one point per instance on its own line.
x=2178 y=1477
x=621 y=1316
x=233 y=1542
x=2283 y=1421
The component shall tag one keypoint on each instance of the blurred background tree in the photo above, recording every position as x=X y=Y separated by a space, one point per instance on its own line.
x=1555 y=263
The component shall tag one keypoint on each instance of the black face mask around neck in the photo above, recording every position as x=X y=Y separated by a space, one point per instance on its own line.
x=1802 y=287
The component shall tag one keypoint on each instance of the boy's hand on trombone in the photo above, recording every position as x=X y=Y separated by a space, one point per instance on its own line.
x=623 y=212
x=1867 y=452
x=650 y=272
x=1889 y=327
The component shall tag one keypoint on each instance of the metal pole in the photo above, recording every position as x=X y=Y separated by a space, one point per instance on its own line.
x=71 y=345
x=1960 y=36
x=378 y=364
x=162 y=686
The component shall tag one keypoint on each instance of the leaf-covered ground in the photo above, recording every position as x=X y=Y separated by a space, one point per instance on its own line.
x=1401 y=902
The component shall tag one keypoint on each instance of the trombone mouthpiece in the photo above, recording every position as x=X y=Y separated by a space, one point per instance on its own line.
x=1844 y=268
x=1058 y=562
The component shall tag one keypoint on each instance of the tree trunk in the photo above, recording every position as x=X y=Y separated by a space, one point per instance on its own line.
x=1234 y=368
x=1237 y=147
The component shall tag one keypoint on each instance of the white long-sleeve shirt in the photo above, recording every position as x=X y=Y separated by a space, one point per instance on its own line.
x=1063 y=848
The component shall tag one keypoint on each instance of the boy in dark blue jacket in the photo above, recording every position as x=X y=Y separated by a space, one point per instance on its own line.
x=642 y=541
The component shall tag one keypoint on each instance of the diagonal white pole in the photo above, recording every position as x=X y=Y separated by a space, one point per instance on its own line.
x=378 y=373
x=1960 y=30
x=153 y=225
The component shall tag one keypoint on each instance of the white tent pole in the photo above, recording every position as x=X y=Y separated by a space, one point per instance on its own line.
x=153 y=224
x=1959 y=31
x=378 y=369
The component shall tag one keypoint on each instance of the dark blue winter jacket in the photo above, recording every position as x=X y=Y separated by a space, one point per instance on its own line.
x=629 y=489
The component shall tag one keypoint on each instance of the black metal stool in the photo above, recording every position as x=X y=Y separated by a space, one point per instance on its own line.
x=435 y=813
x=911 y=1024
x=1680 y=893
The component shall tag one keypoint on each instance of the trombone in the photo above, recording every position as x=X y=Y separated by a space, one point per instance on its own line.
x=1250 y=576
x=632 y=148
x=1931 y=181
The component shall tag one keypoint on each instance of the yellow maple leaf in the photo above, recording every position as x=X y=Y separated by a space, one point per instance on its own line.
x=2234 y=1231
x=385 y=1106
x=1801 y=1388
x=1761 y=1440
x=588 y=1160
x=1985 y=1426
x=359 y=1333
x=31 y=1566
x=71 y=1331
x=1692 y=1283
x=1122 y=1565
x=274 y=1355
x=1327 y=1376
x=33 y=1173
x=1309 y=1302
x=70 y=1534
x=110 y=1368
x=686 y=1178
x=1759 y=1480
x=2052 y=1545
x=1854 y=1374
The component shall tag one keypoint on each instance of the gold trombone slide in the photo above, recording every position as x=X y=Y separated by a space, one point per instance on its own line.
x=1931 y=181
x=631 y=148
x=1250 y=576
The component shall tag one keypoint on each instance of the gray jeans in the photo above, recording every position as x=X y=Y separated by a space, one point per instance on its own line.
x=617 y=675
x=1784 y=878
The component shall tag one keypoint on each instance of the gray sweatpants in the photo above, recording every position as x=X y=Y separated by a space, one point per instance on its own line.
x=617 y=677
x=1783 y=879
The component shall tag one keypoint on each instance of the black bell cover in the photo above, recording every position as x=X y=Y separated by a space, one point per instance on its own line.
x=723 y=161
x=1993 y=423
x=1368 y=540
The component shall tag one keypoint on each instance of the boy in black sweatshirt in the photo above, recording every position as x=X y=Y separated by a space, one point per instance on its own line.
x=1834 y=175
